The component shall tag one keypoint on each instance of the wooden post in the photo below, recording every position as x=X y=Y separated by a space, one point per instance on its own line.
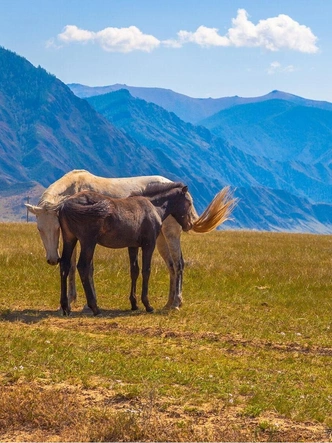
x=28 y=199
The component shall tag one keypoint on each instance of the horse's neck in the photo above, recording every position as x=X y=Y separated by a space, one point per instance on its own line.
x=162 y=204
x=58 y=191
x=48 y=197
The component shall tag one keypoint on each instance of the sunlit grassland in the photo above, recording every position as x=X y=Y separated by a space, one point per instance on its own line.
x=253 y=336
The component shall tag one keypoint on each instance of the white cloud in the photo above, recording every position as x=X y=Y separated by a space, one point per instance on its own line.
x=273 y=34
x=172 y=43
x=72 y=33
x=276 y=67
x=111 y=39
x=203 y=36
x=51 y=44
x=289 y=68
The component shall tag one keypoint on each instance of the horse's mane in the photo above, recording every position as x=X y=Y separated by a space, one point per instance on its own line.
x=51 y=205
x=155 y=188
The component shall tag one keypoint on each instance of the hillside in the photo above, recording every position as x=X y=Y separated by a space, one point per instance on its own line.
x=278 y=129
x=46 y=130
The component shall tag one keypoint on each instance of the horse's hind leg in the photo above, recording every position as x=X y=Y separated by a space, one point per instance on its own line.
x=147 y=252
x=67 y=251
x=72 y=294
x=134 y=273
x=169 y=247
x=85 y=269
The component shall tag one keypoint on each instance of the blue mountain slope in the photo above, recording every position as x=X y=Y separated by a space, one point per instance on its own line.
x=277 y=129
x=46 y=130
x=274 y=210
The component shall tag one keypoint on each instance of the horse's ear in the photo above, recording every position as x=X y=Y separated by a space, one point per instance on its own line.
x=184 y=189
x=34 y=209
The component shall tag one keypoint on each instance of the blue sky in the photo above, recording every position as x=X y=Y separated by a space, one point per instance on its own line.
x=210 y=48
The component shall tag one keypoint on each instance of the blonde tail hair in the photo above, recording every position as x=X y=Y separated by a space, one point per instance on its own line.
x=218 y=211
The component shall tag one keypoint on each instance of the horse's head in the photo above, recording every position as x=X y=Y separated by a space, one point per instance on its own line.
x=185 y=213
x=49 y=230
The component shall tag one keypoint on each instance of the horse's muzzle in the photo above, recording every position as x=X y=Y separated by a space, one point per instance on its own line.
x=53 y=262
x=188 y=227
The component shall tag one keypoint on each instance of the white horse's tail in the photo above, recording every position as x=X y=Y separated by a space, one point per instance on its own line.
x=218 y=211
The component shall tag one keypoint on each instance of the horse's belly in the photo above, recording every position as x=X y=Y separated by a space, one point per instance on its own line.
x=117 y=241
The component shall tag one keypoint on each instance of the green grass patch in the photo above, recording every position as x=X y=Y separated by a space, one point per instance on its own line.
x=252 y=338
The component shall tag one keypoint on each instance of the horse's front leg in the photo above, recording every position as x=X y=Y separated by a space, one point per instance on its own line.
x=85 y=269
x=72 y=293
x=64 y=271
x=169 y=247
x=134 y=273
x=147 y=252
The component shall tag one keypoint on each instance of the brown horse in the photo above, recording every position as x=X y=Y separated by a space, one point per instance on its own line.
x=133 y=222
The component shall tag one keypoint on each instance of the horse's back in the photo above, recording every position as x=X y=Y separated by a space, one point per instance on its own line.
x=111 y=222
x=131 y=222
x=79 y=179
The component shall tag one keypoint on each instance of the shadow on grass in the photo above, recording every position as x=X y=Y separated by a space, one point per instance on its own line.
x=36 y=315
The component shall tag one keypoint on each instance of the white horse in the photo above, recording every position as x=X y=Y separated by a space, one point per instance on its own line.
x=168 y=242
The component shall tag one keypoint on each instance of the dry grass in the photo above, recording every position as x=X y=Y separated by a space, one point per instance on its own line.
x=247 y=358
x=35 y=412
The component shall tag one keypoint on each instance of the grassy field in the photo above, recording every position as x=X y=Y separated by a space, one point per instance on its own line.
x=247 y=358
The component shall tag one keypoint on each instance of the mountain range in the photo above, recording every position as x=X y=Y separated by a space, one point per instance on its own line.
x=189 y=109
x=47 y=130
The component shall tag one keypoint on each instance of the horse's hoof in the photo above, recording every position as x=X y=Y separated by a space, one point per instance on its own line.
x=174 y=308
x=71 y=301
x=66 y=312
x=177 y=305
x=134 y=308
x=149 y=309
x=97 y=313
x=170 y=306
